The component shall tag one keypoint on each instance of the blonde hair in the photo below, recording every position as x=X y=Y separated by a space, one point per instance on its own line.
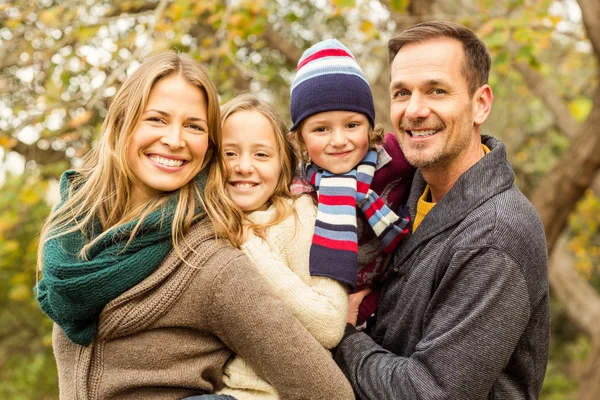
x=230 y=220
x=376 y=135
x=101 y=191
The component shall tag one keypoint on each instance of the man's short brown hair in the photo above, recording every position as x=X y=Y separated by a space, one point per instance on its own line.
x=477 y=62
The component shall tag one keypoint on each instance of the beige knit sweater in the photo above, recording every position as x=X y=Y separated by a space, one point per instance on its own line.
x=321 y=304
x=170 y=336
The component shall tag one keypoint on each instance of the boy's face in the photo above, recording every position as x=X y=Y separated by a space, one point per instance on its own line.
x=336 y=140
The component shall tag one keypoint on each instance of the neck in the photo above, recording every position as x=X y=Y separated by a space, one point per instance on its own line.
x=442 y=176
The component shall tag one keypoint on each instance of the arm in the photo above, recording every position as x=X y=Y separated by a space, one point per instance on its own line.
x=473 y=324
x=320 y=304
x=248 y=317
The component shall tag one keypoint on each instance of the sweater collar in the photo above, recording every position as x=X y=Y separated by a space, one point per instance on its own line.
x=491 y=175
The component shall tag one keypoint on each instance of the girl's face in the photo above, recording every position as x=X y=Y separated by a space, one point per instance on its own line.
x=251 y=150
x=168 y=144
x=336 y=140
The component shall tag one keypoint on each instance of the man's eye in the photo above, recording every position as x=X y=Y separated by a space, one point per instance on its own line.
x=439 y=91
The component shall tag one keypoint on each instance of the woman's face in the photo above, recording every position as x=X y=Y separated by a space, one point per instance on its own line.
x=169 y=142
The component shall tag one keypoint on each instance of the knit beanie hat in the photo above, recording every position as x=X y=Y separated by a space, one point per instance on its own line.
x=328 y=78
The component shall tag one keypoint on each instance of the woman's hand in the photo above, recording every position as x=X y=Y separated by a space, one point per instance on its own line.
x=354 y=300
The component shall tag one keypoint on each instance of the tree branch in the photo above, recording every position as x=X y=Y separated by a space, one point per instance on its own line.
x=590 y=11
x=545 y=91
x=558 y=192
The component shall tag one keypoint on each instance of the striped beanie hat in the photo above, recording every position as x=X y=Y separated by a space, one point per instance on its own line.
x=328 y=78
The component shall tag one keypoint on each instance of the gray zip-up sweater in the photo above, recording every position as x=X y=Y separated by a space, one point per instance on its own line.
x=465 y=312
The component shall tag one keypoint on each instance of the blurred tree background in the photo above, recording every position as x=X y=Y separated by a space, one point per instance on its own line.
x=61 y=61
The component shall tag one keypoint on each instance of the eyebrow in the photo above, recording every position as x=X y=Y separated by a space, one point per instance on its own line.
x=166 y=114
x=428 y=83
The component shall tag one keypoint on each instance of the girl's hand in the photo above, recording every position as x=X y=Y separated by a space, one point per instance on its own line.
x=354 y=300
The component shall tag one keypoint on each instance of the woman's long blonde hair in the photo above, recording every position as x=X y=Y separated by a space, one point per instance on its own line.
x=229 y=219
x=101 y=192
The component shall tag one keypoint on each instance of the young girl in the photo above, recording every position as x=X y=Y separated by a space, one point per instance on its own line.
x=146 y=302
x=347 y=164
x=278 y=232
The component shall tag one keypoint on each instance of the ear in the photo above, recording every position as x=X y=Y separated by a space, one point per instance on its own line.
x=482 y=104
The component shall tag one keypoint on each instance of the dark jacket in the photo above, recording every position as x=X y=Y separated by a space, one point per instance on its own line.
x=465 y=312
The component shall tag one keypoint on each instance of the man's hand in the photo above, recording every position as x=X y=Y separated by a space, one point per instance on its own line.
x=354 y=301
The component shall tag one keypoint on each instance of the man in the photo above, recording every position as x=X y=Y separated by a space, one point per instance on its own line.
x=464 y=313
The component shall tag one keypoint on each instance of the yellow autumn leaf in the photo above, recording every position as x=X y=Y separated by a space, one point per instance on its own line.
x=80 y=119
x=29 y=196
x=7 y=142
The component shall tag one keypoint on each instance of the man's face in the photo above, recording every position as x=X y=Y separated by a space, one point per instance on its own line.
x=435 y=118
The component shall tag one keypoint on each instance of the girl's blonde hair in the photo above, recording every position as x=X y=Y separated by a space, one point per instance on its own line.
x=376 y=135
x=230 y=220
x=104 y=184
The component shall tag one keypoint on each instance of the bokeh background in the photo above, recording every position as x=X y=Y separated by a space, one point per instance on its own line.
x=61 y=61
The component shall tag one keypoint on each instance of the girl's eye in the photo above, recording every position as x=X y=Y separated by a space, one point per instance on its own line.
x=320 y=129
x=229 y=154
x=262 y=155
x=353 y=125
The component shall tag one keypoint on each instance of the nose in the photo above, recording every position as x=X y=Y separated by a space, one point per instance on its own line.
x=338 y=138
x=244 y=165
x=173 y=138
x=417 y=108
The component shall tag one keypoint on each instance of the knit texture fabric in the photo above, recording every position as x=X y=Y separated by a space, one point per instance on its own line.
x=282 y=259
x=73 y=292
x=334 y=250
x=328 y=78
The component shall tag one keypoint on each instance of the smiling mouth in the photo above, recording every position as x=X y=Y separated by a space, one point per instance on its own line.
x=167 y=162
x=243 y=185
x=422 y=133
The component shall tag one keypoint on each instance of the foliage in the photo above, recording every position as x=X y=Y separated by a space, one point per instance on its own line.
x=28 y=369
x=585 y=239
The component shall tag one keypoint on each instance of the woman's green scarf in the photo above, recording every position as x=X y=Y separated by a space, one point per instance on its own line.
x=73 y=292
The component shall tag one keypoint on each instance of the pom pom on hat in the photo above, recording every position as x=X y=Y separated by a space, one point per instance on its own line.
x=328 y=78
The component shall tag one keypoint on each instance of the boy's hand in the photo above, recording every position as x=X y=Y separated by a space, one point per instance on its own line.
x=354 y=300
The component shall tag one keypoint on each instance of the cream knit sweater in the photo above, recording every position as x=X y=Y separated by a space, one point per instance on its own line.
x=320 y=304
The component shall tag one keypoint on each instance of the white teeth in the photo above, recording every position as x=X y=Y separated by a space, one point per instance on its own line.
x=243 y=185
x=166 y=161
x=422 y=133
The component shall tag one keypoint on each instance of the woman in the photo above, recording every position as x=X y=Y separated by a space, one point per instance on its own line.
x=146 y=302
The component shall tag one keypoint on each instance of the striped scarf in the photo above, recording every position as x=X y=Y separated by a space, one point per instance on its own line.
x=334 y=249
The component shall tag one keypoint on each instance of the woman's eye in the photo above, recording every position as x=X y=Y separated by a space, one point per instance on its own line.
x=196 y=128
x=154 y=119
